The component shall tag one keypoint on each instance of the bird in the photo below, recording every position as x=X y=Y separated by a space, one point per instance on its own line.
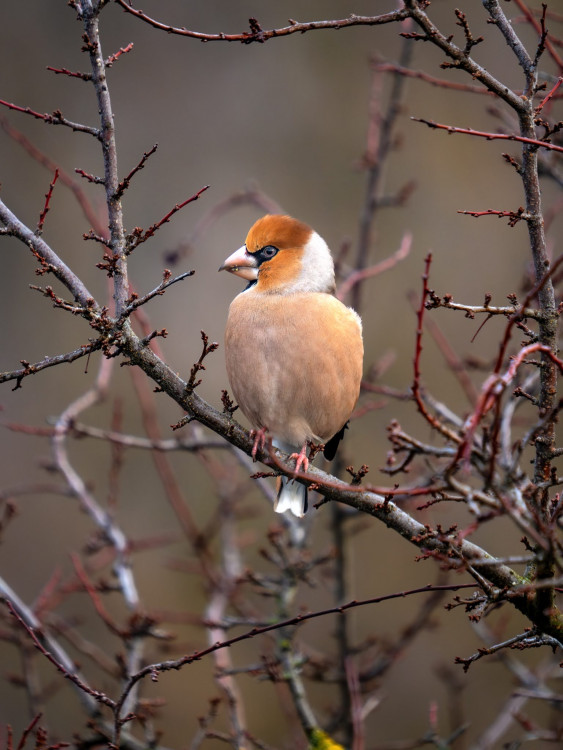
x=293 y=351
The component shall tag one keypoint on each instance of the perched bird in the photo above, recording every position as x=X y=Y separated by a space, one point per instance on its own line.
x=294 y=352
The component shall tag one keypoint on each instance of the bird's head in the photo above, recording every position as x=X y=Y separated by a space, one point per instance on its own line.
x=281 y=256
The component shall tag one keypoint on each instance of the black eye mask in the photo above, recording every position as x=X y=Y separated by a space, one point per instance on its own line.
x=265 y=253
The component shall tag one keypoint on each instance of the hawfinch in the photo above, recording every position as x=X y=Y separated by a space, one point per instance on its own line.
x=293 y=351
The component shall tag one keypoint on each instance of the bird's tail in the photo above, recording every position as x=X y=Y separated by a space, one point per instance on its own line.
x=291 y=496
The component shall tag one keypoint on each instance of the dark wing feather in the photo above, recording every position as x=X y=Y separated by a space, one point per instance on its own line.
x=332 y=445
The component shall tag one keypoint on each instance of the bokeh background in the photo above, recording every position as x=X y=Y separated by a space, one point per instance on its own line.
x=288 y=118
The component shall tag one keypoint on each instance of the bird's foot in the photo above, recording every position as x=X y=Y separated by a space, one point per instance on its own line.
x=259 y=437
x=301 y=459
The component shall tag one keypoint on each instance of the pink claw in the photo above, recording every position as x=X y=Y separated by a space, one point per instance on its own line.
x=259 y=440
x=301 y=459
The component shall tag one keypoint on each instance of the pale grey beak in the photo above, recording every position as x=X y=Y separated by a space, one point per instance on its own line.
x=242 y=264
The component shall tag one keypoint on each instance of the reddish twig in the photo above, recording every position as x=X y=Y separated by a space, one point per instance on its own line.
x=134 y=301
x=470 y=40
x=44 y=601
x=522 y=311
x=375 y=121
x=549 y=96
x=455 y=363
x=388 y=67
x=248 y=196
x=96 y=694
x=328 y=482
x=70 y=73
x=493 y=388
x=257 y=34
x=415 y=388
x=124 y=184
x=357 y=276
x=381 y=126
x=539 y=27
x=27 y=731
x=65 y=178
x=207 y=349
x=46 y=206
x=95 y=598
x=116 y=55
x=489 y=136
x=94 y=179
x=154 y=669
x=172 y=489
x=366 y=408
x=138 y=235
x=55 y=118
x=513 y=216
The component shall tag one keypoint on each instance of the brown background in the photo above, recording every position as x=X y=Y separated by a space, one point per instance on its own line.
x=289 y=117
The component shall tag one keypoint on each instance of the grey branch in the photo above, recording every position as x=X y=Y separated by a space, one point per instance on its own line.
x=57 y=267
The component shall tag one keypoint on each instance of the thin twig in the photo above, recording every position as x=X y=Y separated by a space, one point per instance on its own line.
x=46 y=207
x=490 y=136
x=153 y=670
x=32 y=369
x=56 y=118
x=257 y=34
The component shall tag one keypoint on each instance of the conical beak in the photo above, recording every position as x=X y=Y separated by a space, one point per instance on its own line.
x=242 y=264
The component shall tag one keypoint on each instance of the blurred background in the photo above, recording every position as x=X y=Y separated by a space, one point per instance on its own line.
x=286 y=121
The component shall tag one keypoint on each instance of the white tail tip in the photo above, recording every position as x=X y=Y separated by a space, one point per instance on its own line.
x=292 y=496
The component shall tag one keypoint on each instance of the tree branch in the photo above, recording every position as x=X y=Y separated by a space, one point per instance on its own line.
x=257 y=34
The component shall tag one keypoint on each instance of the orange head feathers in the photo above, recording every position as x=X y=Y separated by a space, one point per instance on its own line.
x=294 y=353
x=283 y=255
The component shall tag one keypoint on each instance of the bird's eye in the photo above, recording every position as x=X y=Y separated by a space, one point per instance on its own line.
x=268 y=252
